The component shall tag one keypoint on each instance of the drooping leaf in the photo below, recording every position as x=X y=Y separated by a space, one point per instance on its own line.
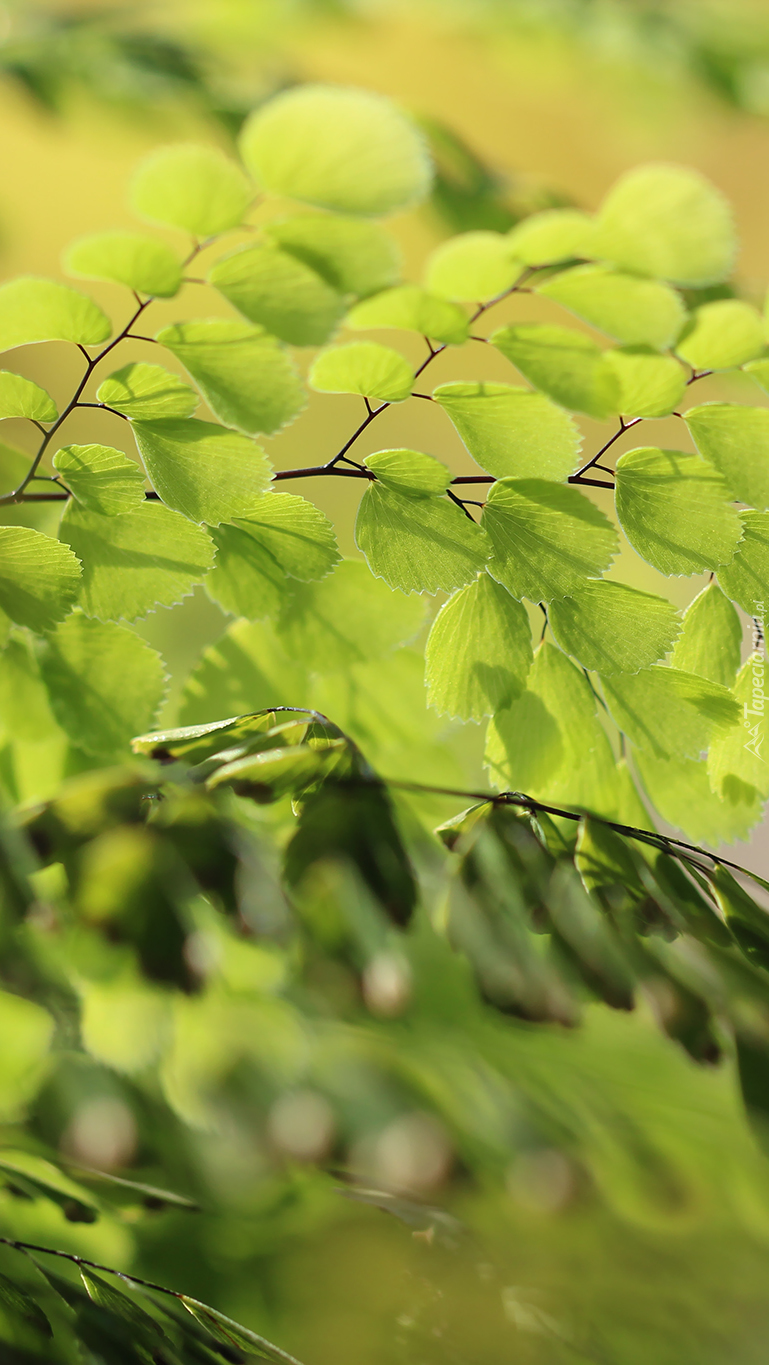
x=366 y=368
x=746 y=579
x=676 y=510
x=747 y=920
x=346 y=618
x=279 y=292
x=142 y=263
x=710 y=639
x=473 y=267
x=413 y=310
x=22 y=1305
x=147 y=392
x=679 y=790
x=418 y=544
x=564 y=364
x=245 y=580
x=195 y=188
x=409 y=472
x=150 y=557
x=40 y=1179
x=626 y=307
x=354 y=257
x=670 y=713
x=245 y=376
x=247 y=667
x=115 y=1301
x=612 y=628
x=479 y=651
x=739 y=758
x=511 y=431
x=102 y=478
x=282 y=536
x=348 y=150
x=546 y=538
x=721 y=335
x=735 y=439
x=39 y=578
x=202 y=470
x=20 y=397
x=551 y=236
x=33 y=309
x=650 y=384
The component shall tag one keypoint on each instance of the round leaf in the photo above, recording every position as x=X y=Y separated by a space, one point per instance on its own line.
x=546 y=538
x=366 y=368
x=632 y=310
x=418 y=544
x=473 y=266
x=670 y=713
x=145 y=392
x=552 y=236
x=511 y=431
x=281 y=293
x=736 y=440
x=102 y=479
x=414 y=310
x=195 y=188
x=711 y=638
x=409 y=471
x=39 y=577
x=612 y=628
x=346 y=618
x=34 y=309
x=19 y=397
x=141 y=263
x=746 y=579
x=564 y=364
x=354 y=257
x=649 y=384
x=201 y=469
x=721 y=335
x=675 y=510
x=479 y=651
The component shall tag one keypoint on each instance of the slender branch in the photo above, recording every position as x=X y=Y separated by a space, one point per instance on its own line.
x=460 y=503
x=623 y=427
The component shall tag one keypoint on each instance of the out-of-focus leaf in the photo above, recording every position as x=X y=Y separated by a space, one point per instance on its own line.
x=366 y=368
x=413 y=310
x=511 y=431
x=195 y=188
x=673 y=714
x=280 y=293
x=19 y=397
x=564 y=364
x=650 y=384
x=354 y=257
x=628 y=308
x=735 y=439
x=746 y=578
x=479 y=651
x=474 y=266
x=41 y=310
x=142 y=263
x=551 y=236
x=722 y=335
x=710 y=639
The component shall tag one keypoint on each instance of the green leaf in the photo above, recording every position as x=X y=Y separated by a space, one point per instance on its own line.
x=245 y=668
x=141 y=263
x=245 y=376
x=650 y=385
x=478 y=652
x=114 y=1301
x=19 y=397
x=232 y=1334
x=197 y=189
x=564 y=364
x=612 y=628
x=679 y=789
x=288 y=771
x=511 y=431
x=746 y=579
x=552 y=236
x=546 y=538
x=721 y=335
x=146 y=392
x=101 y=478
x=667 y=221
x=40 y=1179
x=409 y=472
x=413 y=310
x=711 y=638
x=670 y=713
x=475 y=266
x=202 y=470
x=348 y=150
x=736 y=440
x=33 y=309
x=354 y=257
x=630 y=309
x=24 y=706
x=104 y=682
x=131 y=564
x=246 y=580
x=759 y=370
x=278 y=291
x=747 y=920
x=418 y=544
x=346 y=618
x=738 y=758
x=21 y=1304
x=366 y=368
x=282 y=536
x=675 y=510
x=39 y=578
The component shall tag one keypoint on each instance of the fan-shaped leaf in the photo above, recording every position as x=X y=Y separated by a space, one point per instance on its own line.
x=195 y=188
x=418 y=544
x=736 y=440
x=282 y=536
x=39 y=578
x=245 y=376
x=511 y=431
x=546 y=538
x=612 y=628
x=409 y=472
x=202 y=470
x=354 y=257
x=247 y=667
x=478 y=652
x=19 y=397
x=245 y=580
x=101 y=478
x=738 y=758
x=147 y=392
x=552 y=236
x=277 y=290
x=710 y=639
x=346 y=618
x=679 y=789
x=34 y=309
x=366 y=368
x=721 y=335
x=670 y=713
x=564 y=364
x=746 y=579
x=633 y=310
x=474 y=266
x=675 y=510
x=650 y=385
x=413 y=310
x=141 y=263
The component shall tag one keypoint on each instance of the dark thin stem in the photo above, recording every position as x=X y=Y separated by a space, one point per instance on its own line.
x=623 y=427
x=474 y=478
x=543 y=609
x=131 y=336
x=460 y=503
x=428 y=396
x=592 y=483
x=317 y=471
x=105 y=408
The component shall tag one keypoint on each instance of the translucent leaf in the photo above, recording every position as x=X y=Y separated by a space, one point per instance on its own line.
x=739 y=757
x=141 y=263
x=512 y=431
x=746 y=579
x=201 y=469
x=366 y=368
x=680 y=791
x=343 y=149
x=546 y=538
x=413 y=310
x=40 y=1179
x=33 y=309
x=246 y=580
x=711 y=638
x=346 y=618
x=245 y=668
x=670 y=713
x=418 y=544
x=409 y=471
x=632 y=310
x=21 y=1304
x=552 y=236
x=667 y=221
x=354 y=257
x=283 y=535
x=722 y=334
x=19 y=397
x=564 y=364
x=101 y=478
x=736 y=440
x=131 y=564
x=612 y=628
x=197 y=189
x=478 y=652
x=233 y=1335
x=24 y=706
x=39 y=578
x=147 y=392
x=675 y=510
x=278 y=291
x=115 y=1301
x=759 y=370
x=650 y=385
x=475 y=266
x=245 y=376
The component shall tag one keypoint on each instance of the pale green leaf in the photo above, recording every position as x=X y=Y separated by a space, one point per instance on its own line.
x=679 y=789
x=479 y=651
x=141 y=263
x=343 y=149
x=667 y=221
x=147 y=392
x=245 y=669
x=152 y=557
x=511 y=431
x=670 y=713
x=475 y=266
x=282 y=536
x=612 y=628
x=630 y=309
x=524 y=746
x=104 y=682
x=25 y=710
x=564 y=364
x=413 y=310
x=195 y=188
x=759 y=370
x=546 y=538
x=354 y=257
x=39 y=578
x=233 y=1334
x=418 y=544
x=346 y=618
x=551 y=236
x=114 y=1301
x=366 y=368
x=721 y=335
x=19 y=397
x=650 y=385
x=244 y=374
x=746 y=579
x=675 y=510
x=33 y=309
x=738 y=759
x=279 y=292
x=736 y=440
x=101 y=478
x=246 y=579
x=201 y=469
x=711 y=637
x=409 y=471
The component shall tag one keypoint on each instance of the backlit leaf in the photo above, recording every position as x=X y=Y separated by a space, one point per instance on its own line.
x=675 y=510
x=612 y=628
x=746 y=579
x=195 y=188
x=21 y=1304
x=33 y=309
x=201 y=469
x=631 y=309
x=552 y=236
x=115 y=1301
x=418 y=544
x=736 y=440
x=147 y=392
x=246 y=580
x=739 y=757
x=283 y=535
x=354 y=257
x=759 y=370
x=679 y=789
x=366 y=368
x=475 y=266
x=546 y=538
x=670 y=713
x=39 y=578
x=722 y=334
x=246 y=668
x=279 y=292
x=512 y=431
x=19 y=397
x=346 y=618
x=650 y=385
x=141 y=263
x=413 y=310
x=564 y=364
x=409 y=471
x=479 y=651
x=101 y=478
x=710 y=639
x=24 y=705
